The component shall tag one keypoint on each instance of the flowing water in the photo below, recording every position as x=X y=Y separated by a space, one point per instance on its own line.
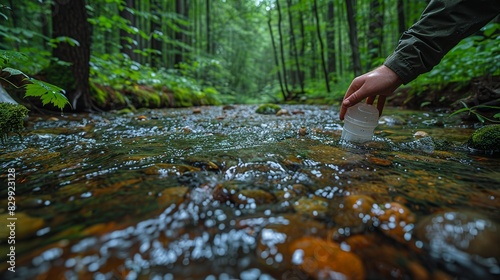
x=225 y=193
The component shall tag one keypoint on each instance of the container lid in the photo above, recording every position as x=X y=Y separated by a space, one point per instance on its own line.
x=363 y=114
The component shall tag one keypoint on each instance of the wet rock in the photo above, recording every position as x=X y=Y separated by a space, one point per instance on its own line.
x=274 y=240
x=168 y=169
x=392 y=120
x=222 y=193
x=313 y=207
x=298 y=112
x=333 y=155
x=268 y=109
x=355 y=213
x=386 y=261
x=380 y=161
x=196 y=111
x=464 y=242
x=253 y=197
x=291 y=192
x=486 y=138
x=302 y=131
x=228 y=107
x=396 y=221
x=173 y=195
x=420 y=134
x=25 y=226
x=283 y=112
x=425 y=144
x=323 y=259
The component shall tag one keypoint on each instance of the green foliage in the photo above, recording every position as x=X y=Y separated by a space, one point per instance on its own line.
x=47 y=92
x=475 y=56
x=474 y=110
x=486 y=138
x=146 y=84
x=11 y=119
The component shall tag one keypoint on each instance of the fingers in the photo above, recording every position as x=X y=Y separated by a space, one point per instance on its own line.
x=380 y=104
x=351 y=97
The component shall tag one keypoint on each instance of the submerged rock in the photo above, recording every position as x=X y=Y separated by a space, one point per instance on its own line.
x=323 y=259
x=486 y=138
x=396 y=221
x=355 y=212
x=466 y=243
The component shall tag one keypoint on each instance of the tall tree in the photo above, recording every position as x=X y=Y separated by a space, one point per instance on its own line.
x=282 y=50
x=330 y=37
x=353 y=38
x=321 y=45
x=401 y=16
x=297 y=74
x=128 y=40
x=69 y=19
x=375 y=32
x=276 y=59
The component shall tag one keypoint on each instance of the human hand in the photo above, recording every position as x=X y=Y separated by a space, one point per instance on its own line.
x=381 y=81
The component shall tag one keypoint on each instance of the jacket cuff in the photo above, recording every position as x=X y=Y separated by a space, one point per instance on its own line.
x=397 y=63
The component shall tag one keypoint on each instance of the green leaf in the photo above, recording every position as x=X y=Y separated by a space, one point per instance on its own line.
x=48 y=93
x=13 y=71
x=4 y=16
x=497 y=116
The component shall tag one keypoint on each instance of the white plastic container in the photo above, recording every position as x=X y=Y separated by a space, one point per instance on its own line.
x=359 y=123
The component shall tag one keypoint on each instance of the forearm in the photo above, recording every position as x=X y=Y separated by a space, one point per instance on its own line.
x=442 y=25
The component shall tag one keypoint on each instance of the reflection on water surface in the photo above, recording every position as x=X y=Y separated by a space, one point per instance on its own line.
x=230 y=194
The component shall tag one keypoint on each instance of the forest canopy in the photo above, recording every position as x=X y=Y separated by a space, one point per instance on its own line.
x=112 y=54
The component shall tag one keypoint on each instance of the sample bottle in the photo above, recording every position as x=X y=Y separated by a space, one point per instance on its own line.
x=359 y=123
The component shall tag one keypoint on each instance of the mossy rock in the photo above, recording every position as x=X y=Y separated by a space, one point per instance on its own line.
x=268 y=109
x=11 y=119
x=486 y=138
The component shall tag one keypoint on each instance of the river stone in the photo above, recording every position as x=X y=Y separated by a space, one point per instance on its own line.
x=314 y=207
x=274 y=240
x=486 y=138
x=464 y=242
x=323 y=259
x=253 y=197
x=355 y=212
x=396 y=221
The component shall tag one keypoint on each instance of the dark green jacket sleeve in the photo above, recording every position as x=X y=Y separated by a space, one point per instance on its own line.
x=443 y=25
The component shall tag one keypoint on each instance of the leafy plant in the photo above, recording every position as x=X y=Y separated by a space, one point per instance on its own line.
x=474 y=110
x=48 y=93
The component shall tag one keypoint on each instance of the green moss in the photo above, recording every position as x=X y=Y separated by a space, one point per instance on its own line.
x=183 y=97
x=486 y=138
x=11 y=119
x=268 y=109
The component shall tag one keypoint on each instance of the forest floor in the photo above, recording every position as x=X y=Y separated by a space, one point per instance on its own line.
x=480 y=91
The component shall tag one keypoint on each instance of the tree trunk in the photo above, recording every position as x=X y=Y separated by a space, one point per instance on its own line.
x=69 y=18
x=321 y=45
x=401 y=17
x=330 y=38
x=353 y=38
x=282 y=51
x=276 y=59
x=127 y=40
x=180 y=9
x=375 y=33
x=209 y=31
x=293 y=50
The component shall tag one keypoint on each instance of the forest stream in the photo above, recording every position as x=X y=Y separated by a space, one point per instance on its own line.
x=226 y=193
